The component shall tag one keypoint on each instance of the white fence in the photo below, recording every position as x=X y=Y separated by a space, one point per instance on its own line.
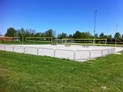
x=59 y=53
x=46 y=52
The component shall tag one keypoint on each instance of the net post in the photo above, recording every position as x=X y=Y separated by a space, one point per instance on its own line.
x=101 y=53
x=93 y=41
x=74 y=55
x=54 y=52
x=24 y=49
x=4 y=47
x=13 y=48
x=89 y=54
x=37 y=51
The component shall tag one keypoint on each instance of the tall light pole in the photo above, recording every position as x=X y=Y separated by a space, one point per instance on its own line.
x=116 y=28
x=95 y=22
x=116 y=37
x=94 y=25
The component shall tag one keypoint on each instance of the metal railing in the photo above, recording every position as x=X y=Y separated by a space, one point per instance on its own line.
x=59 y=53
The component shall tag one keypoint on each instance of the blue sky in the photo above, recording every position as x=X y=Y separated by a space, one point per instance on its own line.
x=62 y=15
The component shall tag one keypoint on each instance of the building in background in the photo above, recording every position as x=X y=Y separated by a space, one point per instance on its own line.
x=3 y=38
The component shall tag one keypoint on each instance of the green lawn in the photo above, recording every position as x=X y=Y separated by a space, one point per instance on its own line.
x=24 y=42
x=28 y=73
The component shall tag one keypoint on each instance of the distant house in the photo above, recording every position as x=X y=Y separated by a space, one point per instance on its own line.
x=2 y=38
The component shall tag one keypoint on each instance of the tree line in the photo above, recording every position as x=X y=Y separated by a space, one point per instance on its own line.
x=23 y=33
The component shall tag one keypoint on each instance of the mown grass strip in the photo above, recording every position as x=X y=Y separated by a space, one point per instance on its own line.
x=23 y=73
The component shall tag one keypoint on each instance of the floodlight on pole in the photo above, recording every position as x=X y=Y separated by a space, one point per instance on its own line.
x=116 y=37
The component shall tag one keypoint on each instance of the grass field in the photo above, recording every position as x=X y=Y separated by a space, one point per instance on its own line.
x=28 y=73
x=25 y=42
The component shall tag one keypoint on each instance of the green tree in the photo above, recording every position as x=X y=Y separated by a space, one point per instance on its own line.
x=10 y=32
x=70 y=36
x=109 y=37
x=96 y=35
x=62 y=35
x=101 y=36
x=86 y=35
x=50 y=33
x=21 y=34
x=122 y=36
x=38 y=34
x=77 y=34
x=117 y=35
x=0 y=34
